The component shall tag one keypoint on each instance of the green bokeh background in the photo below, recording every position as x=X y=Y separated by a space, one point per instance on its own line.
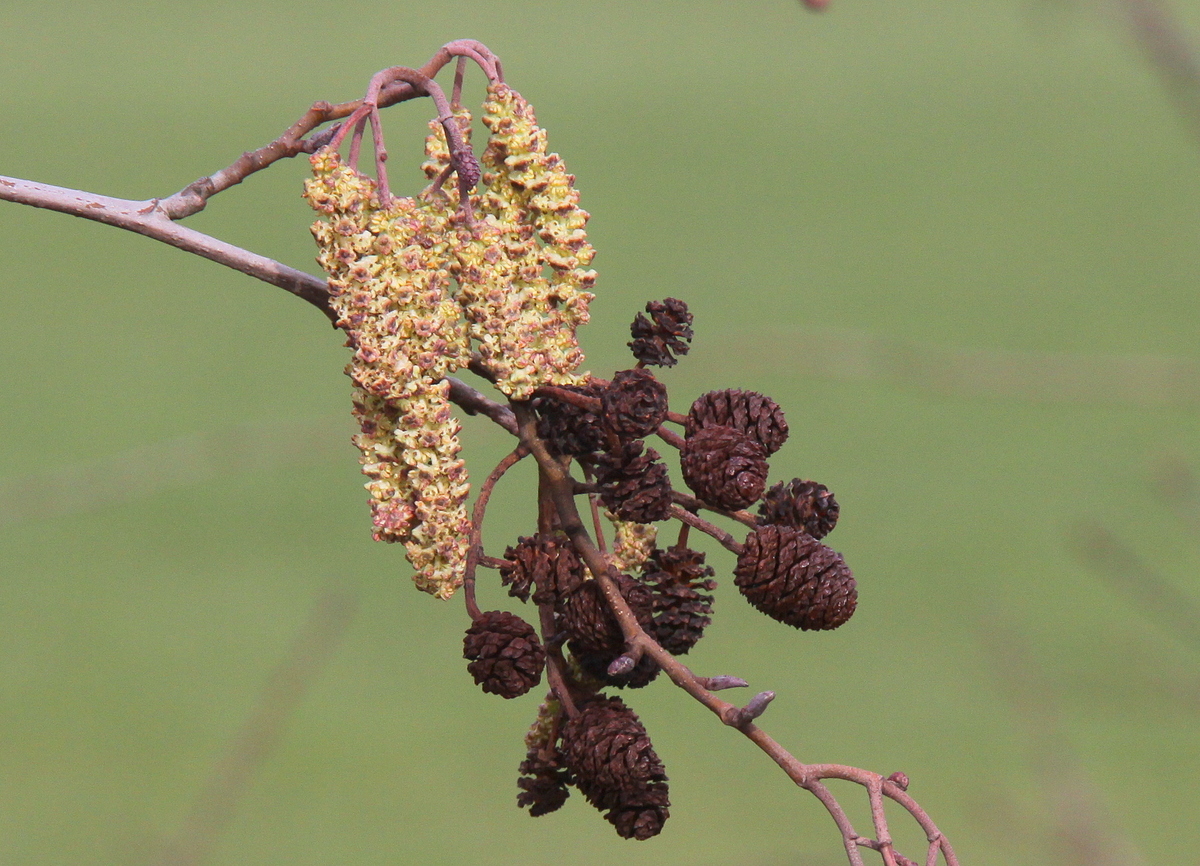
x=956 y=241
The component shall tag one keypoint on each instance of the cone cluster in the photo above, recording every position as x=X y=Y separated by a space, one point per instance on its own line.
x=783 y=570
x=545 y=564
x=543 y=781
x=725 y=467
x=633 y=405
x=801 y=504
x=683 y=605
x=747 y=412
x=633 y=482
x=567 y=429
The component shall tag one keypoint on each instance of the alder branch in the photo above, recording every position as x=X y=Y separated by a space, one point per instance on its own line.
x=474 y=403
x=145 y=218
x=156 y=218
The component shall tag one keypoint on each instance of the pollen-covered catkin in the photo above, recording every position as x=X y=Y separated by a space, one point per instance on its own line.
x=633 y=543
x=522 y=265
x=390 y=287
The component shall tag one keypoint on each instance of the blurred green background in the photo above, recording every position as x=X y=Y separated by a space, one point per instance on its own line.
x=957 y=243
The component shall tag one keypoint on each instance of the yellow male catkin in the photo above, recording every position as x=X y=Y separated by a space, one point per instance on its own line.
x=522 y=265
x=391 y=290
x=421 y=284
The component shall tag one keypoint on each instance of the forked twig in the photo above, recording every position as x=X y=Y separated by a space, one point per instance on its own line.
x=157 y=218
x=192 y=198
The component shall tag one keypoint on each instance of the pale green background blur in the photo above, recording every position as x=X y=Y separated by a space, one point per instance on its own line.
x=957 y=241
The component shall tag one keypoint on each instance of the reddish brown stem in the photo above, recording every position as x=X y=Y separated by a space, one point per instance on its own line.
x=691 y=503
x=580 y=401
x=595 y=509
x=475 y=550
x=555 y=664
x=462 y=158
x=460 y=71
x=557 y=485
x=474 y=403
x=670 y=437
x=192 y=198
x=725 y=539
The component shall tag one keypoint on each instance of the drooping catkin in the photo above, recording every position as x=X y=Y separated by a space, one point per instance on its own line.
x=391 y=290
x=524 y=278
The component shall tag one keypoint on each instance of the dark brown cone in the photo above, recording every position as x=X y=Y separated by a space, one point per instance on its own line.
x=634 y=404
x=591 y=627
x=748 y=412
x=543 y=782
x=681 y=611
x=614 y=765
x=634 y=485
x=546 y=563
x=506 y=656
x=723 y=467
x=792 y=577
x=596 y=639
x=665 y=334
x=567 y=429
x=803 y=504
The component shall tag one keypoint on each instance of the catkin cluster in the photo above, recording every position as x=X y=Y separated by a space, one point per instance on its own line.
x=421 y=285
x=522 y=264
